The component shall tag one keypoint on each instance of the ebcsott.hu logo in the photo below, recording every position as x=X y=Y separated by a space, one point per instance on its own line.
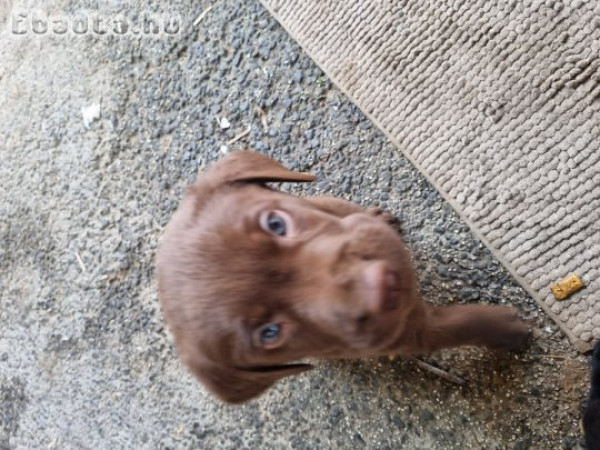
x=95 y=24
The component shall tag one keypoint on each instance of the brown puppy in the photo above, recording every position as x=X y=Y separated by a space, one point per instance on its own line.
x=251 y=279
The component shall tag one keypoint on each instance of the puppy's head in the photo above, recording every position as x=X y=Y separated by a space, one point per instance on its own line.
x=251 y=279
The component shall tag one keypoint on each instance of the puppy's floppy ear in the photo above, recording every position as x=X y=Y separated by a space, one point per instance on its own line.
x=241 y=166
x=238 y=385
x=251 y=166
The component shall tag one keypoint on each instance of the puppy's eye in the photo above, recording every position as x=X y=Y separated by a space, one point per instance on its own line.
x=274 y=223
x=269 y=334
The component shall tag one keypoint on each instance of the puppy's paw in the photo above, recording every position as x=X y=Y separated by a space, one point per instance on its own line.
x=509 y=333
x=383 y=215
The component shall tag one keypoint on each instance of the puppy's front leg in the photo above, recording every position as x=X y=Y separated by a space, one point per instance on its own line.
x=495 y=327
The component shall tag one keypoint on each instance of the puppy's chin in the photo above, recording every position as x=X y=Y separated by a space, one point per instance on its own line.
x=384 y=331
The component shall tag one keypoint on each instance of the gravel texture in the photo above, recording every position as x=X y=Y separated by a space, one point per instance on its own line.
x=85 y=359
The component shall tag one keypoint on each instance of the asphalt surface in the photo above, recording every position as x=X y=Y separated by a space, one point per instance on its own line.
x=85 y=358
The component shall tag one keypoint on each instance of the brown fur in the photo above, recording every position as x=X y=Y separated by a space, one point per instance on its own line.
x=338 y=284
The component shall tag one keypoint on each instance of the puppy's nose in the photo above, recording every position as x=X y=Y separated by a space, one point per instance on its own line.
x=379 y=285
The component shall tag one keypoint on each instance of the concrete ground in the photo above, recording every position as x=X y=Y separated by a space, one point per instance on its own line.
x=85 y=359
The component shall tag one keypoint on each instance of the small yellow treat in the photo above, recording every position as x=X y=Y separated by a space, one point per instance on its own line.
x=567 y=286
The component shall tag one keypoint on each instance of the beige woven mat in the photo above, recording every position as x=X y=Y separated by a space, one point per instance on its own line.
x=497 y=103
